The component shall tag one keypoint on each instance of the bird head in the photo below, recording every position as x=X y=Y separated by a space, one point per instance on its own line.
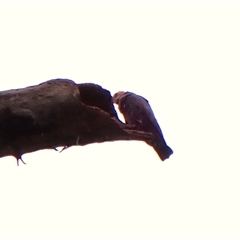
x=117 y=97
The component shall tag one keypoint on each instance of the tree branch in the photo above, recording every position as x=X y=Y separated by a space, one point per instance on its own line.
x=57 y=113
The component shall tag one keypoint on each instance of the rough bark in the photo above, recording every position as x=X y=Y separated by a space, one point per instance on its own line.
x=57 y=113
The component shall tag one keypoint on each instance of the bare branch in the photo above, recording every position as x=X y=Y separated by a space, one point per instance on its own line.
x=57 y=113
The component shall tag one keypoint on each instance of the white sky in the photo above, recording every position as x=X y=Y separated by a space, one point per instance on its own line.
x=184 y=57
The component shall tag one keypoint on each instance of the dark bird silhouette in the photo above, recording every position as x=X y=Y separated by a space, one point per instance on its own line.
x=138 y=113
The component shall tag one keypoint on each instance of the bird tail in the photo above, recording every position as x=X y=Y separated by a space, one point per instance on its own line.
x=163 y=151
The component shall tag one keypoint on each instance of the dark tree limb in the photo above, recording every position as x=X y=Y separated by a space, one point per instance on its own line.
x=57 y=113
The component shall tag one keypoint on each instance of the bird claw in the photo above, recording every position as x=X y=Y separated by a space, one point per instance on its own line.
x=129 y=126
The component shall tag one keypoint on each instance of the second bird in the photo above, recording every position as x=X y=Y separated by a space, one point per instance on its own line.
x=137 y=112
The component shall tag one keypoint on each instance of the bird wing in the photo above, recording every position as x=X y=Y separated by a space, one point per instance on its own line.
x=136 y=108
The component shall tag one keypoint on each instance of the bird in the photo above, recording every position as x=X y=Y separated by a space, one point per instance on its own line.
x=138 y=113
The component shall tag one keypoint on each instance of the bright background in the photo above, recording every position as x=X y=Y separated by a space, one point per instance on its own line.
x=184 y=57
